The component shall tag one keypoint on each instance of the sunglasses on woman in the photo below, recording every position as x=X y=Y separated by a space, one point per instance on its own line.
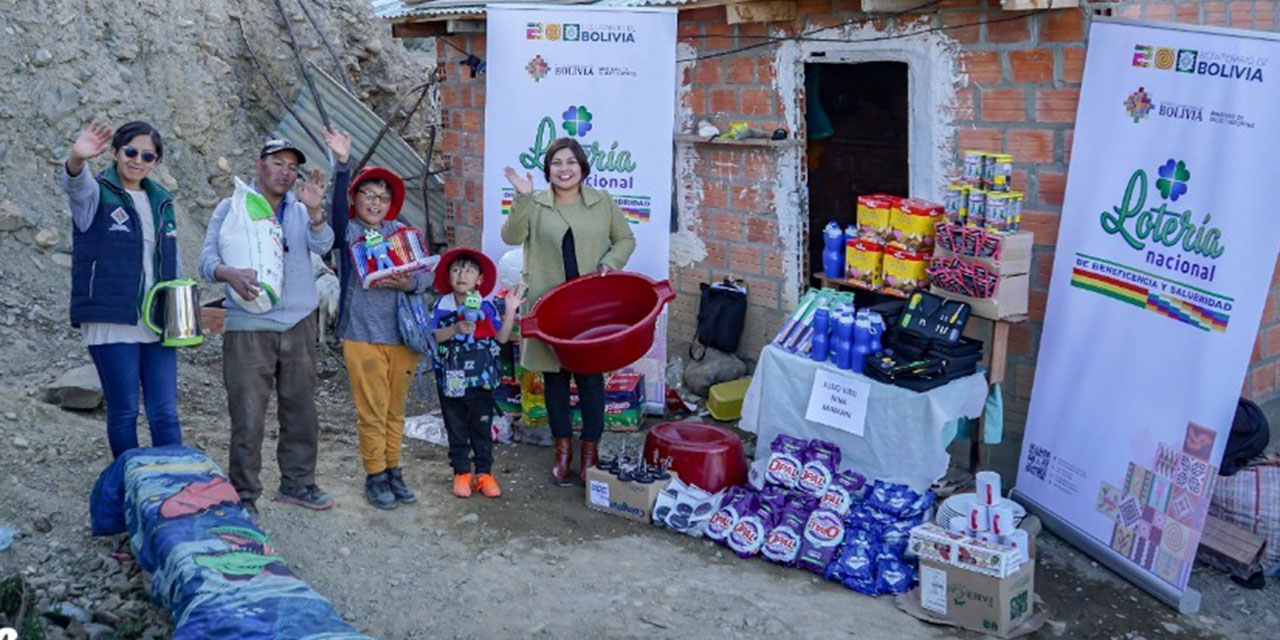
x=131 y=152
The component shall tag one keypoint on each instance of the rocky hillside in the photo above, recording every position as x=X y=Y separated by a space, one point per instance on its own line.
x=180 y=64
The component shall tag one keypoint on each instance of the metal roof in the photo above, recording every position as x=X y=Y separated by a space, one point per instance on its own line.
x=402 y=9
x=393 y=152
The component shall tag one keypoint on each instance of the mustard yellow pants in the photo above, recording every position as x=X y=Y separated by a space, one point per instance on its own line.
x=380 y=377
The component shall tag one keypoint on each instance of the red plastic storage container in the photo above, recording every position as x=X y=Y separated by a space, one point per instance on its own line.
x=704 y=455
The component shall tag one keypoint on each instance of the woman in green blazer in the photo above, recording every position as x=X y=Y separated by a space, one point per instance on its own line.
x=567 y=230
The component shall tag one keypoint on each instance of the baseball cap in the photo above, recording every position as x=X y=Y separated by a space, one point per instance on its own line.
x=281 y=144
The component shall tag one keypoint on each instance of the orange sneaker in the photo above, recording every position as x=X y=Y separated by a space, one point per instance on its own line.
x=462 y=485
x=484 y=483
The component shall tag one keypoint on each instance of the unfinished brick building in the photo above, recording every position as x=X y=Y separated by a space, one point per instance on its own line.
x=906 y=91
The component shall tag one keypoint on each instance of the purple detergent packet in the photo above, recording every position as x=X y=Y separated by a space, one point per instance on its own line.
x=843 y=491
x=821 y=460
x=823 y=534
x=732 y=508
x=782 y=543
x=801 y=503
x=785 y=461
x=747 y=536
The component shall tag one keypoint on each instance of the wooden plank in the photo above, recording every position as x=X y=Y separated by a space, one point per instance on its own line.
x=749 y=142
x=419 y=29
x=761 y=11
x=1026 y=5
x=999 y=352
x=1231 y=548
x=875 y=6
x=849 y=284
x=465 y=26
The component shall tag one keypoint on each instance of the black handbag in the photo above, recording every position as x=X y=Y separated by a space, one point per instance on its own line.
x=722 y=312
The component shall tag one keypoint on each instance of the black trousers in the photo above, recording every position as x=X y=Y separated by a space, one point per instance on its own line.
x=468 y=421
x=590 y=401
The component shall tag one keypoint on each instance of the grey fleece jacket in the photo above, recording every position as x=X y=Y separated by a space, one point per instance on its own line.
x=299 y=299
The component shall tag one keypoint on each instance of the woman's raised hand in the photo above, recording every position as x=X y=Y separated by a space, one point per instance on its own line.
x=94 y=140
x=523 y=186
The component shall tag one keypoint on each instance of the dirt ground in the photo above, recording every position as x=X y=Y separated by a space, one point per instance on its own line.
x=535 y=563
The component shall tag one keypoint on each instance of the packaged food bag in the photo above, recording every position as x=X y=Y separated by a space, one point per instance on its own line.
x=251 y=238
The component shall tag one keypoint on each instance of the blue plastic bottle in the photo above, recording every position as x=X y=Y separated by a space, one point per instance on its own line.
x=833 y=252
x=844 y=347
x=861 y=340
x=877 y=330
x=819 y=346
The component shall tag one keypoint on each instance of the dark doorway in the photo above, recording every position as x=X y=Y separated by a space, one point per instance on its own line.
x=857 y=140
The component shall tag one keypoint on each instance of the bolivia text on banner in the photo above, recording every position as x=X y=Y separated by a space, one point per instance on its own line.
x=1165 y=252
x=605 y=77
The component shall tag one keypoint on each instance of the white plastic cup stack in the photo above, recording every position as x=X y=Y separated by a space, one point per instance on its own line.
x=988 y=483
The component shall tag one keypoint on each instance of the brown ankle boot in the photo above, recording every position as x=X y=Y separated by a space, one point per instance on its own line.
x=560 y=471
x=589 y=458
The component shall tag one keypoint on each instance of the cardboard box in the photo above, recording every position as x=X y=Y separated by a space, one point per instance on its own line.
x=997 y=606
x=1010 y=300
x=931 y=542
x=630 y=500
x=1015 y=255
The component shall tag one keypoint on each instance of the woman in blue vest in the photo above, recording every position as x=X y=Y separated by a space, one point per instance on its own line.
x=123 y=242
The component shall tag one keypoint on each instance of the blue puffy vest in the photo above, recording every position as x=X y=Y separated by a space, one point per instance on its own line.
x=106 y=259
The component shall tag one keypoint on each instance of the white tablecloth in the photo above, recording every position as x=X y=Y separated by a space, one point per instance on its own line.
x=903 y=438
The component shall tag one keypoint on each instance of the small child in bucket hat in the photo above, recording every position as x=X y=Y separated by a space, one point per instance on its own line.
x=466 y=364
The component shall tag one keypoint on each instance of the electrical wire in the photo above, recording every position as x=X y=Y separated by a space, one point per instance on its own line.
x=473 y=61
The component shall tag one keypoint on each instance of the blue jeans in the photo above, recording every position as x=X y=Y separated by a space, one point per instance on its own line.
x=123 y=368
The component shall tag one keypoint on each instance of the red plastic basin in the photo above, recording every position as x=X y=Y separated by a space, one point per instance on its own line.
x=704 y=455
x=599 y=323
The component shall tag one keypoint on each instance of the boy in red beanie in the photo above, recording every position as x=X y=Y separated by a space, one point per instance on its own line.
x=466 y=365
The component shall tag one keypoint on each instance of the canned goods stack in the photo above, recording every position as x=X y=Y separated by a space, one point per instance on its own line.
x=984 y=197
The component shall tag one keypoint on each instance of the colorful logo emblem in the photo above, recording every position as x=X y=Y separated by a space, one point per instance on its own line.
x=1138 y=104
x=1141 y=56
x=1173 y=179
x=1165 y=58
x=120 y=215
x=537 y=68
x=1186 y=61
x=577 y=121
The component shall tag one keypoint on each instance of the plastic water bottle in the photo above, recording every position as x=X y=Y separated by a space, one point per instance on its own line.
x=844 y=348
x=861 y=340
x=833 y=252
x=877 y=330
x=819 y=346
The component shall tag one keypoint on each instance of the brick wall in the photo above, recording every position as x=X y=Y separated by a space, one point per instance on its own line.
x=1023 y=80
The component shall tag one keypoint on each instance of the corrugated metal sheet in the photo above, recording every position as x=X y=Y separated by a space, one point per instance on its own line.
x=400 y=9
x=393 y=152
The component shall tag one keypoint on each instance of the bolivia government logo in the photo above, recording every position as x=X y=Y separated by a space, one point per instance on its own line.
x=1138 y=104
x=537 y=68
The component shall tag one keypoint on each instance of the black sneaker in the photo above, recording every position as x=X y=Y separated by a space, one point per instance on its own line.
x=402 y=492
x=377 y=490
x=310 y=496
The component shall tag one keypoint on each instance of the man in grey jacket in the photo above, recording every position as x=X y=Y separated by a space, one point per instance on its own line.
x=276 y=348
